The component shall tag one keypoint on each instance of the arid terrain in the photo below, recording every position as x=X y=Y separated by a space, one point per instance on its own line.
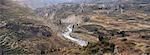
x=119 y=27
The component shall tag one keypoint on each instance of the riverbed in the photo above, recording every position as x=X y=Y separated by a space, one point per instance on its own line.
x=68 y=36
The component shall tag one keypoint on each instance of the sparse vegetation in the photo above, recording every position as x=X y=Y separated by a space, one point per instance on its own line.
x=115 y=28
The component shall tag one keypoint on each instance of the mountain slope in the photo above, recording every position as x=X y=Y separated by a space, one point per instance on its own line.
x=110 y=28
x=21 y=33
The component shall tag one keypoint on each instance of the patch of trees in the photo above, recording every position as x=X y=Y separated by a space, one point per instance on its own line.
x=104 y=40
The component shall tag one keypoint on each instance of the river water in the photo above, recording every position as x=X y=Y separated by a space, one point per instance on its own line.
x=68 y=36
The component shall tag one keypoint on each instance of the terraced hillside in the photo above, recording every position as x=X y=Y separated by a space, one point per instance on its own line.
x=96 y=28
x=114 y=28
x=22 y=33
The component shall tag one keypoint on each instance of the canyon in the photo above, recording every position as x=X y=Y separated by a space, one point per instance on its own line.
x=68 y=27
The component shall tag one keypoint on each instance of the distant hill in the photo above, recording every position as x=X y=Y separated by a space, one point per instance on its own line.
x=41 y=3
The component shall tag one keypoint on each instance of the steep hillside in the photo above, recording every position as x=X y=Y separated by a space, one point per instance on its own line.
x=22 y=33
x=120 y=27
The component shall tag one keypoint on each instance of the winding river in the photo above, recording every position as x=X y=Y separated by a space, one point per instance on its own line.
x=68 y=36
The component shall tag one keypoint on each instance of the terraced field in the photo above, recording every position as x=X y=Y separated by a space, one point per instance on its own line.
x=110 y=28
